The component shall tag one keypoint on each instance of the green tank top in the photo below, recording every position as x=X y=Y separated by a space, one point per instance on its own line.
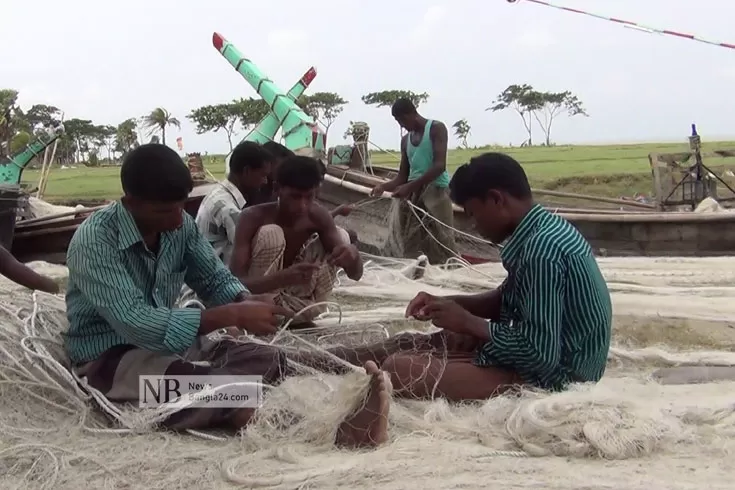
x=421 y=158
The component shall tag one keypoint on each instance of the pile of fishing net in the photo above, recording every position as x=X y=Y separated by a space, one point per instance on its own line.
x=54 y=435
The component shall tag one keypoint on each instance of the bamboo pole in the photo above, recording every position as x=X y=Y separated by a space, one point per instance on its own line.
x=44 y=163
x=611 y=200
x=726 y=218
x=46 y=170
x=542 y=192
x=653 y=217
x=52 y=217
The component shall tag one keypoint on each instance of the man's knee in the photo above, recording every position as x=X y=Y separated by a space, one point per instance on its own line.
x=408 y=373
x=344 y=235
x=395 y=366
x=269 y=238
x=253 y=359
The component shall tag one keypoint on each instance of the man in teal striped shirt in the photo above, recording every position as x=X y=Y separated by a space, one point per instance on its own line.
x=127 y=264
x=547 y=325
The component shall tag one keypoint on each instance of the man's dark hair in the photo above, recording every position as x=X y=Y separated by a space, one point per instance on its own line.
x=248 y=155
x=155 y=172
x=278 y=150
x=403 y=107
x=299 y=172
x=488 y=171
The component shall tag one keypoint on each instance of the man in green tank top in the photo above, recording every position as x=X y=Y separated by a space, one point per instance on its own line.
x=422 y=181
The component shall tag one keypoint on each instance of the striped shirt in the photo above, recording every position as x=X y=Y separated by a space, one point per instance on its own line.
x=218 y=215
x=556 y=315
x=120 y=292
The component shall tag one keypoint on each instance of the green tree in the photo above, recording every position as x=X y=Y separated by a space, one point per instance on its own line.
x=250 y=111
x=105 y=137
x=126 y=136
x=79 y=132
x=10 y=119
x=524 y=100
x=42 y=115
x=462 y=131
x=386 y=98
x=215 y=117
x=157 y=122
x=20 y=140
x=324 y=107
x=554 y=103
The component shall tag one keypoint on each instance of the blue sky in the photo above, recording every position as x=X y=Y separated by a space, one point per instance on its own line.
x=108 y=61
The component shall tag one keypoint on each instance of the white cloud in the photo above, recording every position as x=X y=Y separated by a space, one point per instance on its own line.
x=286 y=39
x=422 y=33
x=535 y=38
x=728 y=71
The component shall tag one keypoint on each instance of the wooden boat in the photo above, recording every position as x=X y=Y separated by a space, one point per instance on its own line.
x=610 y=232
x=47 y=238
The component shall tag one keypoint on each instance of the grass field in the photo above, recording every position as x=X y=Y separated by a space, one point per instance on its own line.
x=621 y=170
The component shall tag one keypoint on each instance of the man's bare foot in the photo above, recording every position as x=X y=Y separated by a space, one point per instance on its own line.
x=368 y=426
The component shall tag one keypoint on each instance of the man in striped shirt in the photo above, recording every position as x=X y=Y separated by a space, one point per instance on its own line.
x=127 y=264
x=547 y=325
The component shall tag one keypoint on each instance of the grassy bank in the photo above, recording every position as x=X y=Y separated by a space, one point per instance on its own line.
x=616 y=170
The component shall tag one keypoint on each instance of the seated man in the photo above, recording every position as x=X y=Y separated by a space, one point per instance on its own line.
x=250 y=167
x=547 y=325
x=127 y=264
x=21 y=274
x=292 y=246
x=267 y=192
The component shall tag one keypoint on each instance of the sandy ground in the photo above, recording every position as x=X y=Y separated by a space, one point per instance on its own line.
x=683 y=305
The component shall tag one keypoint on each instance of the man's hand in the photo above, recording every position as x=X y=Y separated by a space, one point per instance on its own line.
x=268 y=298
x=404 y=191
x=343 y=255
x=48 y=285
x=300 y=273
x=259 y=318
x=378 y=190
x=449 y=315
x=342 y=210
x=417 y=305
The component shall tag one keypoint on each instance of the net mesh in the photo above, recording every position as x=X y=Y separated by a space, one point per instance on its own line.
x=54 y=435
x=393 y=228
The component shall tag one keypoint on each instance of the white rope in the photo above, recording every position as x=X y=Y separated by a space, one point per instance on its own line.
x=34 y=349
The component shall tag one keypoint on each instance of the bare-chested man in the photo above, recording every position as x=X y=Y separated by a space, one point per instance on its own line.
x=267 y=192
x=292 y=246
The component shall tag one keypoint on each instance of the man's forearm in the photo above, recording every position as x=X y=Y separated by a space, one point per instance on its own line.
x=216 y=318
x=430 y=175
x=264 y=284
x=21 y=274
x=395 y=182
x=484 y=305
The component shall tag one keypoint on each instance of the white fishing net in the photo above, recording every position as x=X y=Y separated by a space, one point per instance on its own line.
x=669 y=312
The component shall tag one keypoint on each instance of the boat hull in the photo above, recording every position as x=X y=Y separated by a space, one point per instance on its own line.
x=49 y=240
x=610 y=233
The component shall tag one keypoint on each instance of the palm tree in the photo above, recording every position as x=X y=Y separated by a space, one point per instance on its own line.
x=158 y=120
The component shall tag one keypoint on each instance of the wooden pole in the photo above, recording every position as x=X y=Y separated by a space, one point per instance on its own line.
x=52 y=217
x=48 y=169
x=652 y=217
x=375 y=180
